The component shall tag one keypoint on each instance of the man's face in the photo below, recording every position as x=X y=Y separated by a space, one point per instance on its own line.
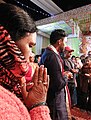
x=67 y=54
x=62 y=42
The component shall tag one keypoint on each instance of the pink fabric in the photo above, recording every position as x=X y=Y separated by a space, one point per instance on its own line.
x=40 y=113
x=11 y=108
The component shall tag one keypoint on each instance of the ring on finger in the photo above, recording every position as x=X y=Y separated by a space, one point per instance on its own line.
x=45 y=83
x=39 y=81
x=29 y=84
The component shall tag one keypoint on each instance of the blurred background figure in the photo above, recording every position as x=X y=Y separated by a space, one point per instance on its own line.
x=82 y=57
x=79 y=64
x=89 y=54
x=85 y=85
x=37 y=58
x=73 y=58
x=69 y=65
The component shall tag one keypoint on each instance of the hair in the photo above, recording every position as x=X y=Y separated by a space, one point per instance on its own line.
x=36 y=58
x=89 y=52
x=56 y=35
x=73 y=57
x=1 y=1
x=87 y=58
x=16 y=21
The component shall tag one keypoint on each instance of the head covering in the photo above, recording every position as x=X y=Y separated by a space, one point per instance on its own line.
x=12 y=63
x=67 y=48
x=15 y=24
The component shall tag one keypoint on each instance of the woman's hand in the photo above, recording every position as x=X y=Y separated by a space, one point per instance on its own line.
x=38 y=92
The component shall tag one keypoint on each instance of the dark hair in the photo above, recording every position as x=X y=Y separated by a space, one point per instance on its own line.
x=16 y=21
x=36 y=58
x=89 y=52
x=56 y=35
x=87 y=58
x=73 y=57
x=1 y=1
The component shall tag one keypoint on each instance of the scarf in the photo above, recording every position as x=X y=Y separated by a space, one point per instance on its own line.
x=12 y=63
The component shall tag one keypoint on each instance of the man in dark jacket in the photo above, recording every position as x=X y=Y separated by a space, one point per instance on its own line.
x=52 y=60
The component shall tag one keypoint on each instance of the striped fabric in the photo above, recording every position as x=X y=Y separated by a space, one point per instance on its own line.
x=12 y=63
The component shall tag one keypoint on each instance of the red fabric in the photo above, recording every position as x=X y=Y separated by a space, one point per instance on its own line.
x=11 y=108
x=40 y=113
x=80 y=114
x=67 y=48
x=28 y=76
x=69 y=98
x=12 y=63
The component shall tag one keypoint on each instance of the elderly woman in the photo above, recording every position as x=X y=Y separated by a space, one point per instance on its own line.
x=17 y=36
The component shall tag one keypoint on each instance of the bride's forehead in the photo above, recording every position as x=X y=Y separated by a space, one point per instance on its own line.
x=30 y=38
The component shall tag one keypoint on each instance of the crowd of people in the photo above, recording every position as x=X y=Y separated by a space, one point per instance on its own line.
x=43 y=90
x=84 y=83
x=80 y=84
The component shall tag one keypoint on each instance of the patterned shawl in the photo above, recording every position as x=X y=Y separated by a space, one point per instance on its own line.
x=12 y=63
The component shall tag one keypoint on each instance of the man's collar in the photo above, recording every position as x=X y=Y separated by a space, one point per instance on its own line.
x=53 y=48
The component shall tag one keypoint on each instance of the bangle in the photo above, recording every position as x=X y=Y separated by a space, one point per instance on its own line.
x=38 y=104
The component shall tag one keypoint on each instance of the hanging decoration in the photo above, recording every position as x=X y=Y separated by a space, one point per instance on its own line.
x=26 y=6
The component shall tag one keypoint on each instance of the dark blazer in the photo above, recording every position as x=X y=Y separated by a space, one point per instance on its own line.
x=56 y=94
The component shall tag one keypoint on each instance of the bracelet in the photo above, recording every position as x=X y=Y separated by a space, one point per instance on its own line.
x=38 y=104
